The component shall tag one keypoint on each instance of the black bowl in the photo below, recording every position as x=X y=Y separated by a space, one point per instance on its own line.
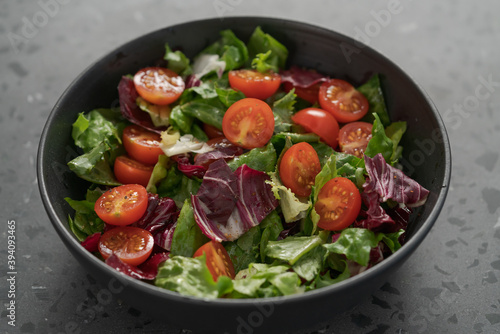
x=426 y=158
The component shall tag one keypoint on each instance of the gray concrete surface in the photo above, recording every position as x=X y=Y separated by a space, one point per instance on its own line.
x=451 y=48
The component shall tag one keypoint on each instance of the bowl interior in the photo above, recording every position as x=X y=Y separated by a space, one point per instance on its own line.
x=426 y=150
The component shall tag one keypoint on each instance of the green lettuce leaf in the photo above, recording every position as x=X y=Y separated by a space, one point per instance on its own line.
x=263 y=280
x=356 y=243
x=372 y=90
x=261 y=42
x=324 y=152
x=206 y=90
x=323 y=280
x=198 y=132
x=287 y=283
x=177 y=61
x=328 y=172
x=292 y=248
x=262 y=63
x=247 y=287
x=251 y=246
x=311 y=264
x=210 y=111
x=230 y=50
x=178 y=186
x=379 y=143
x=180 y=120
x=159 y=173
x=90 y=129
x=386 y=141
x=191 y=277
x=160 y=115
x=187 y=236
x=293 y=209
x=229 y=96
x=85 y=221
x=351 y=167
x=95 y=165
x=271 y=228
x=279 y=139
x=392 y=240
x=283 y=110
x=245 y=249
x=261 y=158
x=98 y=134
x=395 y=132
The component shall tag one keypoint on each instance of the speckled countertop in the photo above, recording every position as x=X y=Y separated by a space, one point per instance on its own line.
x=451 y=48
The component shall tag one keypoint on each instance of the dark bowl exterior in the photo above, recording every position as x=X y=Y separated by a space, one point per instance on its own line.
x=426 y=158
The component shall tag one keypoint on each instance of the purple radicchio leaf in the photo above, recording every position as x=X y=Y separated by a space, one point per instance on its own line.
x=159 y=219
x=91 y=242
x=225 y=152
x=302 y=78
x=127 y=95
x=192 y=81
x=401 y=217
x=187 y=168
x=216 y=199
x=289 y=229
x=245 y=192
x=389 y=182
x=256 y=197
x=376 y=217
x=146 y=271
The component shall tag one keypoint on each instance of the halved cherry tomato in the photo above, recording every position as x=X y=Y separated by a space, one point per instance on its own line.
x=299 y=167
x=310 y=94
x=320 y=122
x=142 y=145
x=122 y=205
x=338 y=205
x=342 y=100
x=158 y=85
x=254 y=84
x=218 y=261
x=132 y=245
x=248 y=123
x=211 y=131
x=129 y=171
x=354 y=138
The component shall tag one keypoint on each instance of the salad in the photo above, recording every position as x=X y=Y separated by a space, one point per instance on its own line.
x=230 y=175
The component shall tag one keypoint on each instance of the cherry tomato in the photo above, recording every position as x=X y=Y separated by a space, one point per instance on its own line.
x=129 y=171
x=158 y=85
x=212 y=131
x=342 y=100
x=299 y=167
x=142 y=145
x=248 y=123
x=320 y=122
x=218 y=261
x=354 y=138
x=132 y=245
x=310 y=94
x=122 y=205
x=338 y=205
x=254 y=84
